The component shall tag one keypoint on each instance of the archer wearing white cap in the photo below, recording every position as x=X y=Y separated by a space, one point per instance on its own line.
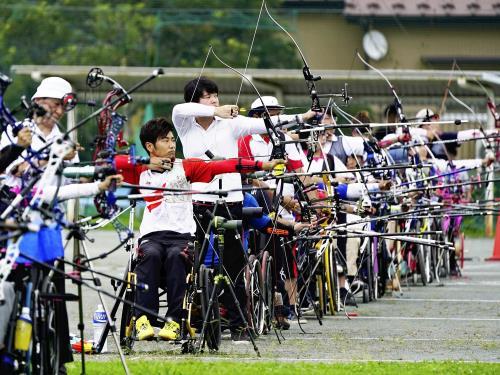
x=271 y=104
x=53 y=97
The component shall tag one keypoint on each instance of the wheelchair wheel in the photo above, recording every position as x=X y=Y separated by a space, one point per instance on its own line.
x=127 y=324
x=331 y=279
x=255 y=299
x=368 y=289
x=422 y=269
x=212 y=334
x=267 y=290
x=383 y=265
x=43 y=357
x=374 y=291
x=48 y=329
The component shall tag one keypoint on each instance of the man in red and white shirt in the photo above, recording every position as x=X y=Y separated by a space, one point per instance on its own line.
x=168 y=222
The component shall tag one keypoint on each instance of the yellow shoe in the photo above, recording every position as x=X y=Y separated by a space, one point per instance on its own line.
x=143 y=328
x=170 y=331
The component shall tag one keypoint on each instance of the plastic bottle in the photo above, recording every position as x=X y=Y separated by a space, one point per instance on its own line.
x=23 y=330
x=99 y=322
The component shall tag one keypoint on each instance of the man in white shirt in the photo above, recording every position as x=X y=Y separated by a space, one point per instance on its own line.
x=54 y=96
x=207 y=129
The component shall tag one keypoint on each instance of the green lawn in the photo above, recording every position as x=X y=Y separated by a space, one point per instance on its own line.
x=251 y=368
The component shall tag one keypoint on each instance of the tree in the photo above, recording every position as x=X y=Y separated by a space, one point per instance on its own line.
x=139 y=33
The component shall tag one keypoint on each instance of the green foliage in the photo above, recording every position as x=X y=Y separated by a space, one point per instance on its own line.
x=243 y=368
x=136 y=33
x=139 y=33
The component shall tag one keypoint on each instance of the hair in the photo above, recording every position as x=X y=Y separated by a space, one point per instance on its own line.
x=452 y=148
x=193 y=91
x=391 y=109
x=155 y=129
x=363 y=117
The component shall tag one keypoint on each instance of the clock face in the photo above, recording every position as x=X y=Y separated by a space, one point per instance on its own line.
x=375 y=45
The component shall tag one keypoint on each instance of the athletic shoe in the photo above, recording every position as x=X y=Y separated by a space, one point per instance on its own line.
x=144 y=329
x=170 y=331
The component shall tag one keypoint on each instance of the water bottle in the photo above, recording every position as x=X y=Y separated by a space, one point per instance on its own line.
x=23 y=330
x=99 y=322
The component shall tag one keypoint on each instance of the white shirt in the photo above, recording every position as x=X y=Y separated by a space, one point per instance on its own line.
x=444 y=165
x=353 y=145
x=220 y=138
x=39 y=140
x=171 y=212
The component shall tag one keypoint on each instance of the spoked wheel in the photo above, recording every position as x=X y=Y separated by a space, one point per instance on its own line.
x=49 y=344
x=321 y=294
x=370 y=275
x=43 y=357
x=435 y=259
x=447 y=254
x=331 y=278
x=267 y=290
x=384 y=263
x=255 y=299
x=319 y=275
x=446 y=261
x=443 y=262
x=127 y=324
x=375 y=270
x=212 y=334
x=429 y=274
x=421 y=264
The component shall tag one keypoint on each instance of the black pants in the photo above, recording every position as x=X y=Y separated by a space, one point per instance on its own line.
x=159 y=264
x=233 y=258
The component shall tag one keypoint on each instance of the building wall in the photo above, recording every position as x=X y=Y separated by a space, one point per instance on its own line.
x=329 y=41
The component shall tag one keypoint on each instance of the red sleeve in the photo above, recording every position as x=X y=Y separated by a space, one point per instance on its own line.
x=131 y=172
x=244 y=150
x=198 y=170
x=293 y=165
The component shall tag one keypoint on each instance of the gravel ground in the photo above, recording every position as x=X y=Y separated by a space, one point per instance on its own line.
x=457 y=320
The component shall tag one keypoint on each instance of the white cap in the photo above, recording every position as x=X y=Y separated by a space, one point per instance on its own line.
x=53 y=87
x=424 y=114
x=270 y=102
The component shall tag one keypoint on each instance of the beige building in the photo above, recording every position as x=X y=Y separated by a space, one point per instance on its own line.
x=419 y=34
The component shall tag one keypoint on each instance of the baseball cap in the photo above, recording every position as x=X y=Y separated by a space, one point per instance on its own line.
x=270 y=102
x=425 y=114
x=53 y=87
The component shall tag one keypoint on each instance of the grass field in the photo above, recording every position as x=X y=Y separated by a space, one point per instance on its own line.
x=251 y=368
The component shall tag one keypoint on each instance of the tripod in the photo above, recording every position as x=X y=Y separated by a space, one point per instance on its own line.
x=127 y=288
x=221 y=279
x=79 y=246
